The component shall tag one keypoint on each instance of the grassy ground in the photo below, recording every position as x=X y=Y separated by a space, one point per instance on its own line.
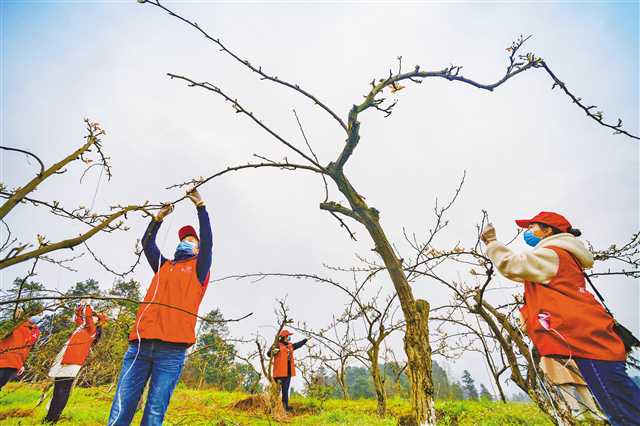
x=190 y=407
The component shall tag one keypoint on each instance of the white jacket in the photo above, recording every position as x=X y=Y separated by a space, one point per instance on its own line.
x=541 y=264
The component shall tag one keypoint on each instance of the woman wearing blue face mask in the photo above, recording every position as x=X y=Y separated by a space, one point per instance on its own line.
x=563 y=319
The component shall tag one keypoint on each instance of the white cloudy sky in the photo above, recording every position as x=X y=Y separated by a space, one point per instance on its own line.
x=525 y=148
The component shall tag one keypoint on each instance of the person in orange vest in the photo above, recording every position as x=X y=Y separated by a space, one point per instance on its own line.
x=15 y=348
x=284 y=366
x=562 y=318
x=165 y=326
x=72 y=356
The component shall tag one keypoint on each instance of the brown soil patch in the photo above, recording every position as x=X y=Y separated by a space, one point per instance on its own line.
x=15 y=412
x=259 y=404
x=252 y=403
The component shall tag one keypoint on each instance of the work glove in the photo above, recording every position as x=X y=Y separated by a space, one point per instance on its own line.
x=195 y=196
x=274 y=351
x=164 y=211
x=488 y=233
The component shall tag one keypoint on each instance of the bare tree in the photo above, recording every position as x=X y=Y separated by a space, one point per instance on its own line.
x=336 y=348
x=16 y=251
x=416 y=312
x=376 y=315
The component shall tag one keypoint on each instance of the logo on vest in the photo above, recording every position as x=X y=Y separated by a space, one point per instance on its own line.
x=186 y=268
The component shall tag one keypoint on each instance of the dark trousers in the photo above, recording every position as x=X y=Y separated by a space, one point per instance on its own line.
x=7 y=374
x=284 y=384
x=61 y=391
x=616 y=393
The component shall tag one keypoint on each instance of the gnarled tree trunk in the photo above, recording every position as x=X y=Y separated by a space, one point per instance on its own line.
x=416 y=345
x=416 y=313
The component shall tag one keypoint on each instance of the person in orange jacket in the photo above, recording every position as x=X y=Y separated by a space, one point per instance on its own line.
x=15 y=348
x=72 y=356
x=284 y=366
x=563 y=319
x=165 y=325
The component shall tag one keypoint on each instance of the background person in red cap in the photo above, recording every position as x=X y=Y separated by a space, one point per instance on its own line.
x=161 y=334
x=562 y=318
x=72 y=356
x=284 y=366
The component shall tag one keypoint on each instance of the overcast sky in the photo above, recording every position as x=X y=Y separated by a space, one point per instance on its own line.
x=525 y=148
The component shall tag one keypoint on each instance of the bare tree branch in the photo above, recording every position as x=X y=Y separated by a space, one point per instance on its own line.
x=31 y=154
x=258 y=70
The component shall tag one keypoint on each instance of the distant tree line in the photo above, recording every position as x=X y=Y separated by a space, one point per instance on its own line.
x=360 y=384
x=212 y=362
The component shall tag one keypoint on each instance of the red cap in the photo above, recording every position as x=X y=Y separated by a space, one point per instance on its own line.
x=185 y=231
x=548 y=218
x=285 y=333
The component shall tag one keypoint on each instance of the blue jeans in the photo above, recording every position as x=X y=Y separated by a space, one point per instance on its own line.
x=617 y=395
x=160 y=361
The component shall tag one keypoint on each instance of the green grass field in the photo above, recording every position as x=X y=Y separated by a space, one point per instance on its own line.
x=189 y=407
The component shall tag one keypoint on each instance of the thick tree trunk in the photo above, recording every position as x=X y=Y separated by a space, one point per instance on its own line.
x=416 y=313
x=418 y=350
x=378 y=384
x=416 y=339
x=274 y=395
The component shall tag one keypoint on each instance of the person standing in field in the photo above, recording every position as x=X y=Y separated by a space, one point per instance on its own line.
x=284 y=366
x=72 y=356
x=165 y=326
x=562 y=318
x=15 y=348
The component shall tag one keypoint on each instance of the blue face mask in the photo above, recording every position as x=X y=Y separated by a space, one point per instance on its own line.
x=530 y=238
x=186 y=247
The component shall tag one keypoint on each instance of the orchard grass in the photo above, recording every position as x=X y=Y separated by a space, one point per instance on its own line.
x=90 y=406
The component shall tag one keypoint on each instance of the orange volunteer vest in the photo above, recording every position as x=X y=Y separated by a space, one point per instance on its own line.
x=15 y=349
x=175 y=284
x=81 y=340
x=577 y=325
x=283 y=361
